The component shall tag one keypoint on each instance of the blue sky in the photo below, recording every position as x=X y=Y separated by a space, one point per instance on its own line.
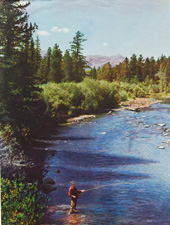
x=110 y=26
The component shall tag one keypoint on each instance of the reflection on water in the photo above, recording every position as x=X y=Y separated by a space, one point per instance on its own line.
x=115 y=149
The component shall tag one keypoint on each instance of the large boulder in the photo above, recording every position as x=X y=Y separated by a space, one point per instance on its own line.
x=49 y=180
x=47 y=188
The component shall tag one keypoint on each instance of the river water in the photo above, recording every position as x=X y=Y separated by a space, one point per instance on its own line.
x=119 y=152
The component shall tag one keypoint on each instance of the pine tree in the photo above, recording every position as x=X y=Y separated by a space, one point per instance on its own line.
x=56 y=60
x=139 y=69
x=106 y=73
x=79 y=61
x=167 y=70
x=67 y=67
x=133 y=66
x=146 y=68
x=48 y=63
x=93 y=73
x=153 y=68
x=19 y=95
x=37 y=53
x=42 y=71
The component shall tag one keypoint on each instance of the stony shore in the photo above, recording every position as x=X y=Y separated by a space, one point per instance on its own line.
x=18 y=160
x=138 y=104
x=134 y=105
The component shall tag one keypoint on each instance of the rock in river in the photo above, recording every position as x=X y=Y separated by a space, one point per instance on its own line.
x=47 y=186
x=49 y=180
x=161 y=147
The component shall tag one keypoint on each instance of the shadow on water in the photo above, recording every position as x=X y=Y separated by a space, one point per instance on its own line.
x=67 y=138
x=113 y=149
x=93 y=160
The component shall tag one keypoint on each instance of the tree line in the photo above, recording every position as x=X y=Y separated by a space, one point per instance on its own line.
x=151 y=72
x=22 y=69
x=54 y=67
x=23 y=72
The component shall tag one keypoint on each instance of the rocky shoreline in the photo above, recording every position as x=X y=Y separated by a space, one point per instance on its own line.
x=133 y=105
x=80 y=118
x=138 y=104
x=8 y=159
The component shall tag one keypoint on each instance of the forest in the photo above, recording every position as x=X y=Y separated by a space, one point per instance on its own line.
x=40 y=91
x=36 y=90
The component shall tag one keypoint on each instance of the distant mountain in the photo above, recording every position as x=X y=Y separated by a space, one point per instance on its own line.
x=99 y=60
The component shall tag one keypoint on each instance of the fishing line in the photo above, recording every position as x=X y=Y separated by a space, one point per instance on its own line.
x=101 y=186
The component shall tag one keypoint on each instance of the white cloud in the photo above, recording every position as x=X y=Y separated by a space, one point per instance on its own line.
x=57 y=29
x=105 y=44
x=43 y=33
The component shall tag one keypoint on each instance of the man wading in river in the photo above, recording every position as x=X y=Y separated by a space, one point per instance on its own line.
x=74 y=194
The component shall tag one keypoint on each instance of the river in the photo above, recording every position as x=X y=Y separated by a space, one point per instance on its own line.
x=126 y=152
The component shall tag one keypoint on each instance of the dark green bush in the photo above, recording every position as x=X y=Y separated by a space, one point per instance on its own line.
x=21 y=203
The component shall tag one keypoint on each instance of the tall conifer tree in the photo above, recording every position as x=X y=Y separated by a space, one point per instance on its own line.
x=19 y=95
x=56 y=59
x=67 y=67
x=79 y=61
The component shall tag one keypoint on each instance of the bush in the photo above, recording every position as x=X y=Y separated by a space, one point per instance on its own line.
x=56 y=99
x=90 y=89
x=123 y=96
x=99 y=95
x=132 y=90
x=21 y=203
x=75 y=97
x=69 y=99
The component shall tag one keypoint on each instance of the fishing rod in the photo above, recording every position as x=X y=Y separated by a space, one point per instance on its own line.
x=101 y=186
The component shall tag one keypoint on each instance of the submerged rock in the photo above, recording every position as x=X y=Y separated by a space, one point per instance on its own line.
x=168 y=142
x=47 y=186
x=49 y=180
x=167 y=130
x=161 y=147
x=161 y=124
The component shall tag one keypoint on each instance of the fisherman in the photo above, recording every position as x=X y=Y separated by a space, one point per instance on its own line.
x=74 y=194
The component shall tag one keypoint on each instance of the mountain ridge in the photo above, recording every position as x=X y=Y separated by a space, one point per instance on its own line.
x=100 y=60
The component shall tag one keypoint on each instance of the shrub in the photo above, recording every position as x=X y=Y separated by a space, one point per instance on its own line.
x=123 y=96
x=132 y=90
x=75 y=97
x=21 y=203
x=99 y=95
x=69 y=99
x=56 y=99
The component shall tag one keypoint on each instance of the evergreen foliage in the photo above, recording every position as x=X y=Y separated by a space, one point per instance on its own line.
x=68 y=74
x=55 y=73
x=20 y=103
x=79 y=61
x=23 y=70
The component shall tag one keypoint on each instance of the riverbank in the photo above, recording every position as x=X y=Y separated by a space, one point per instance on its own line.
x=9 y=159
x=133 y=105
x=139 y=103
